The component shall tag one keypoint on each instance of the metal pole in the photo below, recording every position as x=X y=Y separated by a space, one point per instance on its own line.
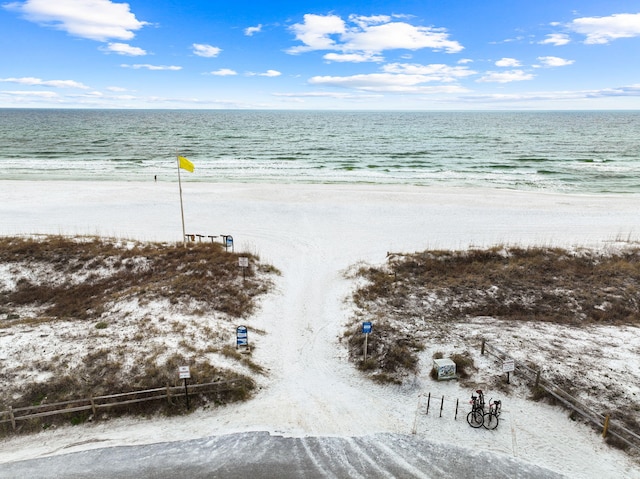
x=186 y=392
x=184 y=239
x=366 y=336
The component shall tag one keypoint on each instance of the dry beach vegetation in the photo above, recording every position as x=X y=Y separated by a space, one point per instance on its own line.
x=564 y=312
x=89 y=316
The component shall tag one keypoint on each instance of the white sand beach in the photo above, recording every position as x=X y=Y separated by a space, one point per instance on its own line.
x=312 y=234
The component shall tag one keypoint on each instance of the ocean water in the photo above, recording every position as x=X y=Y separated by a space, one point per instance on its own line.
x=577 y=152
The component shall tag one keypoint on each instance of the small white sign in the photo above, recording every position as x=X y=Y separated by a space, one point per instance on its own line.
x=184 y=372
x=508 y=365
x=243 y=262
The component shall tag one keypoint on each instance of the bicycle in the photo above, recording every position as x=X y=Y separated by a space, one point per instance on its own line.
x=476 y=417
x=490 y=418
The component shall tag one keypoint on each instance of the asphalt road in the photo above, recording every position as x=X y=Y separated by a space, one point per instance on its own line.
x=261 y=456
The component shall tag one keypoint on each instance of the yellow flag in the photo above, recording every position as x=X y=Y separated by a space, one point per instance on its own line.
x=185 y=164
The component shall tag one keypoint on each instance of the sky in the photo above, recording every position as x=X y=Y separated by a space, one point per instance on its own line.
x=347 y=55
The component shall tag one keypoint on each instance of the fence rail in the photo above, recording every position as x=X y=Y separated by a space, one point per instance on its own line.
x=93 y=404
x=603 y=422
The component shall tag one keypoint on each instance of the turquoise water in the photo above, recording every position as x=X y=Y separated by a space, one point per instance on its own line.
x=583 y=152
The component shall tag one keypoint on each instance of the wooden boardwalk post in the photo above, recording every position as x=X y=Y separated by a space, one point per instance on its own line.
x=605 y=429
x=12 y=417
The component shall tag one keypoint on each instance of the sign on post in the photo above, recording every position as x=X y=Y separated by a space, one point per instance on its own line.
x=243 y=262
x=366 y=329
x=185 y=374
x=242 y=338
x=508 y=366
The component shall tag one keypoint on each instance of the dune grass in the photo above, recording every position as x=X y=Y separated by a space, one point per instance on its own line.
x=57 y=281
x=413 y=291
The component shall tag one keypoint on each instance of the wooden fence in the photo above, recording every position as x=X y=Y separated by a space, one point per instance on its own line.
x=94 y=404
x=601 y=421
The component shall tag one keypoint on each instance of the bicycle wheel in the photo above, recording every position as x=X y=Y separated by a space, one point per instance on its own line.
x=490 y=420
x=475 y=418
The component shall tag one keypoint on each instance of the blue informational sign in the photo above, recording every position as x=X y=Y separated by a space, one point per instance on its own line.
x=229 y=241
x=367 y=327
x=241 y=336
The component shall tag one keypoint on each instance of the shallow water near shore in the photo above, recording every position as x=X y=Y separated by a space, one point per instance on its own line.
x=575 y=152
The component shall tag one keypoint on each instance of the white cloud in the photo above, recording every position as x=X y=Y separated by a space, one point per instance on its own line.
x=557 y=39
x=399 y=35
x=410 y=78
x=508 y=40
x=315 y=32
x=508 y=62
x=125 y=49
x=554 y=61
x=249 y=31
x=363 y=21
x=224 y=72
x=600 y=30
x=36 y=94
x=326 y=94
x=367 y=36
x=93 y=19
x=429 y=73
x=39 y=82
x=146 y=66
x=631 y=91
x=506 y=77
x=116 y=88
x=270 y=73
x=385 y=82
x=353 y=57
x=207 y=51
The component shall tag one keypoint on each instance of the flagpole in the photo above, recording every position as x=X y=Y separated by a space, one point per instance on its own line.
x=184 y=233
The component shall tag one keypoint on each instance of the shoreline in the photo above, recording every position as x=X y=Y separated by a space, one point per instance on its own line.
x=402 y=216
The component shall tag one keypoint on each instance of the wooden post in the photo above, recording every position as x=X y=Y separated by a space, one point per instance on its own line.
x=186 y=392
x=456 y=416
x=93 y=405
x=414 y=430
x=605 y=429
x=482 y=348
x=12 y=417
x=366 y=337
x=168 y=394
x=441 y=406
x=538 y=378
x=428 y=402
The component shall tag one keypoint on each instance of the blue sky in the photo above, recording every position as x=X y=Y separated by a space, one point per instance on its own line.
x=392 y=55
